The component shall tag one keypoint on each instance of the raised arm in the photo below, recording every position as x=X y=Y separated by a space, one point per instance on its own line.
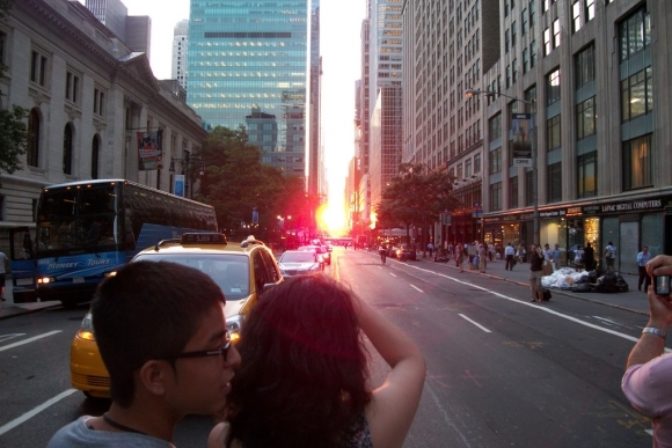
x=395 y=402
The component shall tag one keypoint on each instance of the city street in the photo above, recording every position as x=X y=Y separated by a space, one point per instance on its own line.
x=502 y=371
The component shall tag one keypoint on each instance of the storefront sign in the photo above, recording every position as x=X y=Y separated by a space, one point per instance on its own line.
x=552 y=213
x=574 y=211
x=619 y=207
x=591 y=209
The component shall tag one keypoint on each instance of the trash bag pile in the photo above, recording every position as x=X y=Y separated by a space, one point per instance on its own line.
x=585 y=281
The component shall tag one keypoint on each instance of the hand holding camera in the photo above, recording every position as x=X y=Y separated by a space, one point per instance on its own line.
x=660 y=301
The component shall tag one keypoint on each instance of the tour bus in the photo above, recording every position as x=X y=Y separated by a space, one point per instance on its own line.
x=88 y=229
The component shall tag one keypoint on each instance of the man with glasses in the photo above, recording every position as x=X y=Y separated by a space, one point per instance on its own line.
x=162 y=334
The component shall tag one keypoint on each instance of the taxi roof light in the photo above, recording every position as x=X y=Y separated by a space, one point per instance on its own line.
x=204 y=238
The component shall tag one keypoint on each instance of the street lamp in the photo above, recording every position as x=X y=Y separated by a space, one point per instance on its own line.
x=535 y=200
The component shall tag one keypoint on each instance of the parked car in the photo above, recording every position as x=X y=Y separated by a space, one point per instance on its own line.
x=297 y=262
x=320 y=250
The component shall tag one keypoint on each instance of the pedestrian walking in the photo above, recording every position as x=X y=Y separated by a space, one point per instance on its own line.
x=482 y=257
x=509 y=253
x=555 y=255
x=536 y=269
x=430 y=248
x=610 y=256
x=647 y=381
x=460 y=254
x=588 y=258
x=642 y=258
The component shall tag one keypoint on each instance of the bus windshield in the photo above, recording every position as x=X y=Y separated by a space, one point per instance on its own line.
x=74 y=220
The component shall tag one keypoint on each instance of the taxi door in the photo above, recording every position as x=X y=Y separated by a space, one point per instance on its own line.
x=23 y=266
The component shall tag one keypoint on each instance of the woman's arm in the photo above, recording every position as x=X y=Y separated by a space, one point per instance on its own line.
x=393 y=405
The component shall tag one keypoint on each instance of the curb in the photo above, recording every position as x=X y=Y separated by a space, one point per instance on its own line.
x=7 y=311
x=554 y=290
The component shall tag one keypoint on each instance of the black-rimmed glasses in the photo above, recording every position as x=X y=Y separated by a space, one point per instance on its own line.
x=222 y=351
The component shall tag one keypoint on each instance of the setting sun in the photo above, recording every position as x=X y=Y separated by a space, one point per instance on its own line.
x=331 y=219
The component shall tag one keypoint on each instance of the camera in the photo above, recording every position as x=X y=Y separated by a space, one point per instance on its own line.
x=661 y=285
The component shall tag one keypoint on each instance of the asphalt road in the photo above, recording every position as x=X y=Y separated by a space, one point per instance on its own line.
x=502 y=372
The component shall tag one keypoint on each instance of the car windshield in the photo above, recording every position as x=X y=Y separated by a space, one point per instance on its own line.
x=229 y=271
x=297 y=257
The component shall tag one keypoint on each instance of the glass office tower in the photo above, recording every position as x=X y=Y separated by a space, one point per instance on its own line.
x=248 y=66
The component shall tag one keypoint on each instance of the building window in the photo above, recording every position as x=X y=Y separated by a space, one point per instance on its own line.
x=3 y=47
x=531 y=100
x=477 y=163
x=586 y=117
x=495 y=127
x=496 y=196
x=495 y=165
x=529 y=187
x=67 y=148
x=38 y=68
x=533 y=53
x=72 y=87
x=576 y=16
x=553 y=133
x=556 y=33
x=637 y=163
x=634 y=33
x=553 y=87
x=33 y=143
x=513 y=192
x=586 y=175
x=590 y=10
x=513 y=34
x=95 y=156
x=526 y=61
x=508 y=76
x=585 y=66
x=98 y=102
x=548 y=45
x=637 y=94
x=554 y=182
x=523 y=21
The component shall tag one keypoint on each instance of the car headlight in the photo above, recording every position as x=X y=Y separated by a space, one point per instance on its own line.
x=86 y=328
x=45 y=280
x=235 y=325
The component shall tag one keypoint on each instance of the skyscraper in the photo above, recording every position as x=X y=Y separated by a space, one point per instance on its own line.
x=180 y=43
x=248 y=65
x=134 y=31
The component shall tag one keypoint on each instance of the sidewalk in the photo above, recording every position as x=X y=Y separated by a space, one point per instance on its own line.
x=632 y=300
x=8 y=309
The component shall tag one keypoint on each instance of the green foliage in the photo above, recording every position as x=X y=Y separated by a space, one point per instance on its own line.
x=235 y=181
x=415 y=198
x=12 y=138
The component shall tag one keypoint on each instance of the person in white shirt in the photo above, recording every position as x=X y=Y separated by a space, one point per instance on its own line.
x=509 y=253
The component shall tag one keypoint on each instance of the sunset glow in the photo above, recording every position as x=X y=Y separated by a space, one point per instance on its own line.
x=331 y=218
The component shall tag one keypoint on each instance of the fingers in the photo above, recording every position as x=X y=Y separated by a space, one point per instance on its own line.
x=659 y=265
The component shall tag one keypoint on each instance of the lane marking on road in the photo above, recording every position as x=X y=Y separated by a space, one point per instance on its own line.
x=29 y=340
x=473 y=322
x=393 y=274
x=416 y=288
x=8 y=336
x=542 y=308
x=36 y=410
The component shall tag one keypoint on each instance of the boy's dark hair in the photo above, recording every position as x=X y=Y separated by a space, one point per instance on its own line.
x=149 y=310
x=302 y=380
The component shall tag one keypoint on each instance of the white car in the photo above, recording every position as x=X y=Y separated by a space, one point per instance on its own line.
x=297 y=262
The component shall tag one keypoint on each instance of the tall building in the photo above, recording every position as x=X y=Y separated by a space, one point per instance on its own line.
x=448 y=45
x=316 y=181
x=593 y=77
x=134 y=31
x=384 y=95
x=248 y=58
x=180 y=53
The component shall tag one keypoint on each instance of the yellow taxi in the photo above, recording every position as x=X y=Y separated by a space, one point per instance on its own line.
x=242 y=270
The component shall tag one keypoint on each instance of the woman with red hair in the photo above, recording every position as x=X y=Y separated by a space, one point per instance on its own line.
x=303 y=376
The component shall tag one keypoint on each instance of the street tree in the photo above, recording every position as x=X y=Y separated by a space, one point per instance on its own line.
x=415 y=197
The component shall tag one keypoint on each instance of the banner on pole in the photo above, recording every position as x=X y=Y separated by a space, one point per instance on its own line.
x=521 y=150
x=149 y=150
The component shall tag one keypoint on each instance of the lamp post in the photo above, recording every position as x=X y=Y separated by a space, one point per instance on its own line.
x=533 y=145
